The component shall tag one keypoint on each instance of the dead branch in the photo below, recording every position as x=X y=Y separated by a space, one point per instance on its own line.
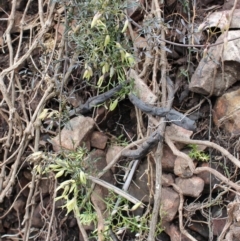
x=233 y=159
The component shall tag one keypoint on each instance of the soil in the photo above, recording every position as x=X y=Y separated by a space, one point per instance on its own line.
x=35 y=62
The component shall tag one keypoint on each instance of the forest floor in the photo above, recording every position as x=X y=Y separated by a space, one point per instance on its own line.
x=107 y=131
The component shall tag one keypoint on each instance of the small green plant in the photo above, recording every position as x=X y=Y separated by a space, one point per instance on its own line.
x=120 y=141
x=97 y=30
x=121 y=95
x=71 y=169
x=122 y=219
x=197 y=154
x=70 y=165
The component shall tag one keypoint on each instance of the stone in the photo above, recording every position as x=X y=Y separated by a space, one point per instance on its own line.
x=38 y=213
x=226 y=112
x=174 y=232
x=219 y=220
x=180 y=132
x=19 y=205
x=44 y=186
x=112 y=152
x=228 y=5
x=181 y=168
x=139 y=42
x=199 y=227
x=208 y=77
x=167 y=179
x=168 y=159
x=74 y=133
x=140 y=186
x=141 y=88
x=22 y=183
x=169 y=204
x=220 y=19
x=98 y=140
x=209 y=178
x=28 y=175
x=97 y=162
x=192 y=187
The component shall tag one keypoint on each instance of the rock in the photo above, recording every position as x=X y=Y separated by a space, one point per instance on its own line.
x=219 y=219
x=200 y=227
x=168 y=159
x=180 y=132
x=19 y=206
x=192 y=187
x=96 y=163
x=72 y=222
x=22 y=183
x=44 y=186
x=208 y=77
x=17 y=22
x=28 y=175
x=38 y=213
x=227 y=112
x=140 y=186
x=181 y=168
x=169 y=204
x=142 y=90
x=228 y=5
x=139 y=42
x=174 y=233
x=167 y=180
x=220 y=19
x=112 y=152
x=209 y=178
x=98 y=140
x=74 y=133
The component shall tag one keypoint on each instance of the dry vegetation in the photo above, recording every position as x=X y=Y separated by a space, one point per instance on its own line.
x=57 y=55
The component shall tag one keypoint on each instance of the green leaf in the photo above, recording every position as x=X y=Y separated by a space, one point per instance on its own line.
x=59 y=174
x=113 y=105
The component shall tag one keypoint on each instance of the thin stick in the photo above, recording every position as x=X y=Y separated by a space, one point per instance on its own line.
x=208 y=144
x=114 y=189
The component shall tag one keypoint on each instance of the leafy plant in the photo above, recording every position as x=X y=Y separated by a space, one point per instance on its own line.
x=71 y=165
x=197 y=154
x=120 y=141
x=71 y=169
x=97 y=30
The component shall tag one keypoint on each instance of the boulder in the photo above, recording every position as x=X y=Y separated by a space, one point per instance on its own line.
x=211 y=77
x=226 y=112
x=74 y=133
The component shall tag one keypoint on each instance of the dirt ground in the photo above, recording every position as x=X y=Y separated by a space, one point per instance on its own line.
x=107 y=131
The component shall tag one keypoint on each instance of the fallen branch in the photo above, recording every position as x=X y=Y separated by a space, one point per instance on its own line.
x=96 y=100
x=144 y=148
x=208 y=144
x=114 y=189
x=180 y=213
x=171 y=115
x=218 y=175
x=179 y=153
